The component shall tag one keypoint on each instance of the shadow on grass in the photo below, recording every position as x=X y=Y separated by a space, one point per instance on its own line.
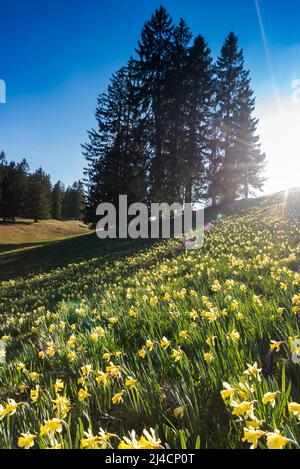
x=44 y=257
x=8 y=248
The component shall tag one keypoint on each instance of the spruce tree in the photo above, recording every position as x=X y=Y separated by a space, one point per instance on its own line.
x=199 y=103
x=154 y=50
x=251 y=161
x=14 y=179
x=242 y=162
x=57 y=201
x=2 y=166
x=176 y=114
x=74 y=202
x=116 y=151
x=38 y=200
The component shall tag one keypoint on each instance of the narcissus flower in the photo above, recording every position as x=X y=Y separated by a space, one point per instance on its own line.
x=117 y=398
x=177 y=354
x=102 y=377
x=183 y=334
x=208 y=357
x=294 y=408
x=107 y=356
x=234 y=336
x=252 y=436
x=51 y=426
x=113 y=370
x=153 y=300
x=142 y=353
x=276 y=441
x=243 y=409
x=269 y=398
x=113 y=320
x=71 y=341
x=71 y=356
x=130 y=443
x=255 y=423
x=276 y=345
x=34 y=394
x=26 y=440
x=34 y=376
x=83 y=394
x=9 y=409
x=227 y=392
x=150 y=344
x=130 y=382
x=165 y=343
x=86 y=369
x=58 y=385
x=253 y=371
x=149 y=440
x=179 y=411
x=211 y=341
x=21 y=366
x=99 y=441
x=62 y=404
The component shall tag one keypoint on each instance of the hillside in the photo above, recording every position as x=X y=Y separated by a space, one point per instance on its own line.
x=28 y=233
x=124 y=335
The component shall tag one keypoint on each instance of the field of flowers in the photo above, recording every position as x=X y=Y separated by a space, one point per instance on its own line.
x=160 y=347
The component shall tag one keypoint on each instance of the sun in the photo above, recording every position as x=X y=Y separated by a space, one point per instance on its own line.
x=280 y=137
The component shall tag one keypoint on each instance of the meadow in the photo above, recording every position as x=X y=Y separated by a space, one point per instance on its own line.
x=139 y=344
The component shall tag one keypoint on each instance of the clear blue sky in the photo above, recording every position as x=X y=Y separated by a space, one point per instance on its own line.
x=57 y=56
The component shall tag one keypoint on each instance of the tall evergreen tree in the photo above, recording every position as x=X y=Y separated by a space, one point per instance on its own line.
x=199 y=113
x=174 y=127
x=116 y=152
x=57 y=200
x=2 y=165
x=237 y=127
x=38 y=200
x=14 y=179
x=74 y=202
x=154 y=51
x=176 y=114
x=251 y=161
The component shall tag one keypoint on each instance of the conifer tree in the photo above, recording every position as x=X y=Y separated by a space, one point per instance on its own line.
x=74 y=202
x=116 y=151
x=154 y=50
x=38 y=200
x=176 y=114
x=57 y=200
x=14 y=179
x=199 y=112
x=242 y=162
x=2 y=165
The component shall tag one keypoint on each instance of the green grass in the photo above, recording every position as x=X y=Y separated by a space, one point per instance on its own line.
x=69 y=303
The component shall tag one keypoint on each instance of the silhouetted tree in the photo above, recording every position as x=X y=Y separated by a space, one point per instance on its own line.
x=199 y=131
x=154 y=52
x=242 y=162
x=116 y=152
x=174 y=127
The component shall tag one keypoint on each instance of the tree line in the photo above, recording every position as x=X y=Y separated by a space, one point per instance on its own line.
x=175 y=126
x=28 y=194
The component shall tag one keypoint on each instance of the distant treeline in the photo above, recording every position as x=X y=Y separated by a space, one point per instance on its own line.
x=31 y=195
x=175 y=125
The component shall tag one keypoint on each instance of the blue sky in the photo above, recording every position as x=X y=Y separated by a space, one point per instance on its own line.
x=57 y=56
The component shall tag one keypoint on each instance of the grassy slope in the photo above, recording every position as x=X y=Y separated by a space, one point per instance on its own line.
x=109 y=278
x=25 y=233
x=23 y=258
